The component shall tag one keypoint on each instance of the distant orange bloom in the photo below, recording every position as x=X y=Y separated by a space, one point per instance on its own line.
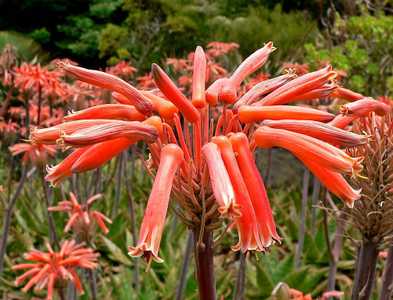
x=48 y=268
x=81 y=216
x=34 y=153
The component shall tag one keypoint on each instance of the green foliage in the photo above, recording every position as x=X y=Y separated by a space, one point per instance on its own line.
x=26 y=47
x=82 y=36
x=41 y=35
x=288 y=31
x=362 y=47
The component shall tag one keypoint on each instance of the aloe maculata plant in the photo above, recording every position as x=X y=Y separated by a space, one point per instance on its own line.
x=201 y=150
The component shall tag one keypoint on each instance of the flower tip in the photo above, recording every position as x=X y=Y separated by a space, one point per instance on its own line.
x=269 y=45
x=142 y=250
x=199 y=49
x=155 y=68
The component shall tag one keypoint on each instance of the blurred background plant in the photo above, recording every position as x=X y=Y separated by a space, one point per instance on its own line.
x=354 y=36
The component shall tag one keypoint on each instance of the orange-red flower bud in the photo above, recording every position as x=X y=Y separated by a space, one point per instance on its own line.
x=318 y=93
x=252 y=63
x=308 y=148
x=97 y=155
x=334 y=182
x=321 y=131
x=58 y=173
x=346 y=94
x=113 y=83
x=116 y=129
x=263 y=88
x=50 y=135
x=173 y=94
x=107 y=111
x=364 y=106
x=299 y=86
x=199 y=78
x=214 y=90
x=164 y=108
x=251 y=113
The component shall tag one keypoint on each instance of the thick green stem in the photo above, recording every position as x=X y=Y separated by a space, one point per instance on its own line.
x=204 y=255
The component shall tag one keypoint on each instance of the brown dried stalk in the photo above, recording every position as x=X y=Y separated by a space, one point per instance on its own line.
x=372 y=214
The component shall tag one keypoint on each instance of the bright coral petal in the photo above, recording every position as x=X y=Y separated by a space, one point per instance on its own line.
x=98 y=154
x=107 y=111
x=199 y=78
x=219 y=178
x=113 y=83
x=250 y=113
x=154 y=219
x=255 y=187
x=321 y=131
x=173 y=94
x=246 y=222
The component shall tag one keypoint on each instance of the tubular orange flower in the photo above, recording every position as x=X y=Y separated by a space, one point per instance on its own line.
x=346 y=94
x=173 y=94
x=213 y=92
x=362 y=109
x=334 y=182
x=81 y=216
x=307 y=148
x=341 y=121
x=250 y=113
x=199 y=78
x=255 y=187
x=107 y=111
x=50 y=267
x=97 y=155
x=153 y=221
x=322 y=92
x=364 y=106
x=50 y=135
x=163 y=107
x=116 y=129
x=219 y=178
x=63 y=170
x=303 y=84
x=252 y=63
x=322 y=131
x=110 y=82
x=225 y=89
x=263 y=88
x=249 y=238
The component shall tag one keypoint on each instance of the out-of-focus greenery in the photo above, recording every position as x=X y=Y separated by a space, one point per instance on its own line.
x=28 y=49
x=97 y=32
x=362 y=47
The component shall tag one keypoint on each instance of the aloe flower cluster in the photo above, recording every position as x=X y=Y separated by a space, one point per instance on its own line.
x=202 y=147
x=51 y=269
x=81 y=217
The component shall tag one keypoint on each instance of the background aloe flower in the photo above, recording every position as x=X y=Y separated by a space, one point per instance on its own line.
x=219 y=174
x=52 y=269
x=37 y=154
x=80 y=216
